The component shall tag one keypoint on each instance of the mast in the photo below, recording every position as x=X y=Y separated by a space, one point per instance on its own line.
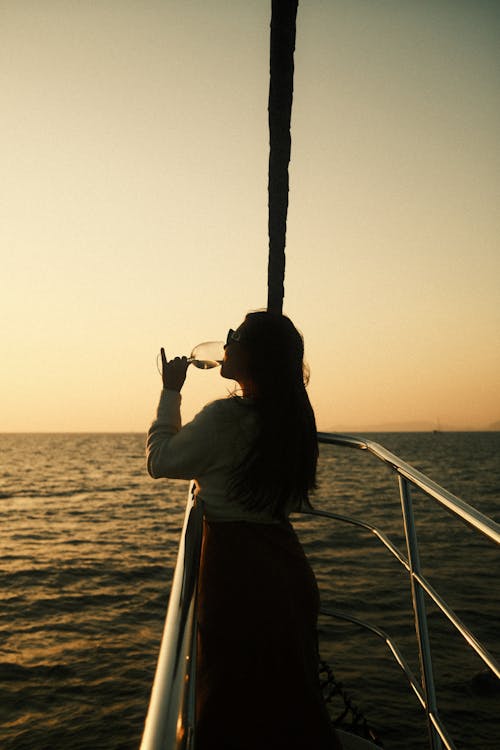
x=283 y=26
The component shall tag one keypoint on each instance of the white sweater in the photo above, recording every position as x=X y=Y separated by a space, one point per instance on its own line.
x=206 y=449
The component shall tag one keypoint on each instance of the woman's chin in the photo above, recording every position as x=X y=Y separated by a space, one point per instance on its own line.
x=224 y=372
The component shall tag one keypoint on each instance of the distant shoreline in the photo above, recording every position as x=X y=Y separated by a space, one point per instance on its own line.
x=336 y=430
x=412 y=428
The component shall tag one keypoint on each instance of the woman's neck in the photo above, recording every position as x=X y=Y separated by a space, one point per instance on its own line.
x=249 y=389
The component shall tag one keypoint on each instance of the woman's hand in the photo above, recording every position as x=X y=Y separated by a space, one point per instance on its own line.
x=173 y=372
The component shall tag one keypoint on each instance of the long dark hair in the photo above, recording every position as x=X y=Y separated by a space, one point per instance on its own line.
x=280 y=468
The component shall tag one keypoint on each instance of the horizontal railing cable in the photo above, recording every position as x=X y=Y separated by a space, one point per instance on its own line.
x=464 y=631
x=438 y=724
x=363 y=524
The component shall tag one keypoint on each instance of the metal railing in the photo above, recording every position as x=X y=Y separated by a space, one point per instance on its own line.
x=170 y=720
x=171 y=714
x=408 y=477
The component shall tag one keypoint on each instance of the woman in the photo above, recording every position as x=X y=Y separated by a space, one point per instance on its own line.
x=254 y=460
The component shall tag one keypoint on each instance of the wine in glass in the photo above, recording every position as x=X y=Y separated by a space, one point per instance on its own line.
x=207 y=355
x=204 y=356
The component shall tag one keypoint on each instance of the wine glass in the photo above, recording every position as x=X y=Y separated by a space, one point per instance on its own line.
x=204 y=356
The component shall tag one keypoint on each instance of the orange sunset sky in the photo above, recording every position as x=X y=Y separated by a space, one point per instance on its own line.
x=133 y=203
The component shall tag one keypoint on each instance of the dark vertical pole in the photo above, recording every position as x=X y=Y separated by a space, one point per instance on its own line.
x=283 y=23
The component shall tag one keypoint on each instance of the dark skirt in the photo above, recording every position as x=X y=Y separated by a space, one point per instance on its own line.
x=257 y=676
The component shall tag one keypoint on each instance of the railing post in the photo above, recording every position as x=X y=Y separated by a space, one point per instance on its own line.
x=419 y=611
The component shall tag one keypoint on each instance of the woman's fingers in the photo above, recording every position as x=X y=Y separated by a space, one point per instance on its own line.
x=173 y=371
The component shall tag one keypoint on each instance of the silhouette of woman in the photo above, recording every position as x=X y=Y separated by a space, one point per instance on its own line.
x=254 y=461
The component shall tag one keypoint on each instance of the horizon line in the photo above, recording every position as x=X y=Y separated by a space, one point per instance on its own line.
x=352 y=430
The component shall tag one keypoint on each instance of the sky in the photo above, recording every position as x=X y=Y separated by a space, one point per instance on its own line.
x=133 y=206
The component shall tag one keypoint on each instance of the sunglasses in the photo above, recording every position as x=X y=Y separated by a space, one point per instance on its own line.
x=232 y=336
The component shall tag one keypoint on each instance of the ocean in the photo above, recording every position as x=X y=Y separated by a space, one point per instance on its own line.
x=88 y=544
